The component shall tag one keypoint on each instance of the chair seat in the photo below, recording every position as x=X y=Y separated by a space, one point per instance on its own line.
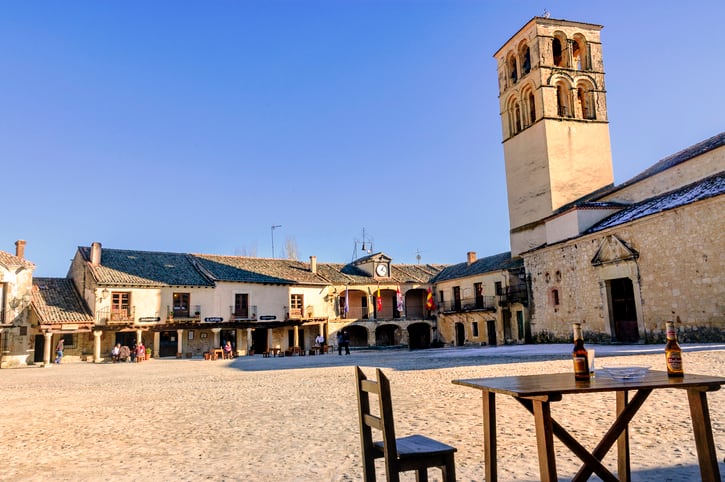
x=416 y=446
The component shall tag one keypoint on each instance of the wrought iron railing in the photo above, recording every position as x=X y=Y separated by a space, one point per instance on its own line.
x=486 y=303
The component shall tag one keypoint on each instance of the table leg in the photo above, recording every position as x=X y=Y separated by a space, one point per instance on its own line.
x=545 y=440
x=489 y=435
x=623 y=466
x=700 y=415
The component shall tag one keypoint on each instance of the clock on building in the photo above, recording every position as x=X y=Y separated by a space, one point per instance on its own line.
x=381 y=270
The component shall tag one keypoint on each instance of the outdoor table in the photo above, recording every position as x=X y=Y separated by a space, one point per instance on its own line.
x=218 y=353
x=536 y=392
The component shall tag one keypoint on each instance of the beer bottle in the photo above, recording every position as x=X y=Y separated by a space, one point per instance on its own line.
x=579 y=354
x=673 y=353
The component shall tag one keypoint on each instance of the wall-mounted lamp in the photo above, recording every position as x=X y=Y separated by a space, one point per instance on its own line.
x=104 y=294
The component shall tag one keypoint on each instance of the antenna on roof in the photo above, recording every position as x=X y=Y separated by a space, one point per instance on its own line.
x=366 y=249
x=417 y=255
x=546 y=13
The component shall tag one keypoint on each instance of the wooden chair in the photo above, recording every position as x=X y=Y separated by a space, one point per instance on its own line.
x=414 y=452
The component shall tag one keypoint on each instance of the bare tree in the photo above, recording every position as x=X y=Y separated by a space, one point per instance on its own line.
x=290 y=246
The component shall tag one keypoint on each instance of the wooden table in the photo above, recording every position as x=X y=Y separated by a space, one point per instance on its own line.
x=217 y=352
x=536 y=392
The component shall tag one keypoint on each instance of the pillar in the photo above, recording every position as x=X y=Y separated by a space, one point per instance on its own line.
x=179 y=343
x=217 y=340
x=250 y=339
x=48 y=346
x=139 y=337
x=97 y=346
x=157 y=344
x=297 y=336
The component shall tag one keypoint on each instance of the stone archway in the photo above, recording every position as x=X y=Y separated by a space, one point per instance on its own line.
x=419 y=335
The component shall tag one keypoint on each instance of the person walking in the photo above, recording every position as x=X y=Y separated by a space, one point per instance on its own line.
x=59 y=351
x=340 y=342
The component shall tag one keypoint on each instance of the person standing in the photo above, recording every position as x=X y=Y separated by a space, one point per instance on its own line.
x=346 y=341
x=59 y=351
x=340 y=342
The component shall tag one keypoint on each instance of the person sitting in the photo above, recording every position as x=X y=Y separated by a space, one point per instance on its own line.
x=116 y=353
x=124 y=354
x=228 y=350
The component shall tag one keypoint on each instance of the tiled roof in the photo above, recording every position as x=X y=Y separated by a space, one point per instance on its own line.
x=497 y=262
x=704 y=189
x=56 y=300
x=8 y=259
x=342 y=274
x=679 y=157
x=145 y=268
x=257 y=270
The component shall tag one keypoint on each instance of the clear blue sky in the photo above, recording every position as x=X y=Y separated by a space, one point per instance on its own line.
x=194 y=126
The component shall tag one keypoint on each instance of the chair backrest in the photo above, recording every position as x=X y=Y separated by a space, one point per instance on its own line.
x=383 y=422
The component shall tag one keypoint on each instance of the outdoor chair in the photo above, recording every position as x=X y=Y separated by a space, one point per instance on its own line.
x=414 y=452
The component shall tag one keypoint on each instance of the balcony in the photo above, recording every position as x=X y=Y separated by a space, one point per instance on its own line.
x=243 y=314
x=120 y=316
x=479 y=303
x=181 y=314
x=514 y=294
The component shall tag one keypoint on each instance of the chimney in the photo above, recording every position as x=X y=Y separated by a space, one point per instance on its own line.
x=20 y=248
x=96 y=254
x=471 y=256
x=313 y=264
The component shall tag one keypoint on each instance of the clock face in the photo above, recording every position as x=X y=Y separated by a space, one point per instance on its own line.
x=381 y=270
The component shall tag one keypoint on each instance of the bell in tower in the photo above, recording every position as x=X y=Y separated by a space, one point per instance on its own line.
x=554 y=122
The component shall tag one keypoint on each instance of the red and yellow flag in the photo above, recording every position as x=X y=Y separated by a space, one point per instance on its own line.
x=380 y=301
x=429 y=302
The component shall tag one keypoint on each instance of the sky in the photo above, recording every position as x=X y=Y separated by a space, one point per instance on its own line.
x=196 y=126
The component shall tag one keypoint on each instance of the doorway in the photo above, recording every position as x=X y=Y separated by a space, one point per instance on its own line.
x=39 y=348
x=460 y=334
x=491 y=325
x=623 y=310
x=168 y=344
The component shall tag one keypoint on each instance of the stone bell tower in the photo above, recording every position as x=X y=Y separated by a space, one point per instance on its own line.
x=554 y=122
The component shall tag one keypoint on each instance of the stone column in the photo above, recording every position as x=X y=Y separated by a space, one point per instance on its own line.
x=47 y=348
x=179 y=343
x=97 y=346
x=297 y=336
x=139 y=336
x=157 y=344
x=371 y=336
x=250 y=339
x=217 y=340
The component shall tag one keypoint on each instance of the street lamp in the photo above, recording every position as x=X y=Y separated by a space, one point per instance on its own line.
x=274 y=226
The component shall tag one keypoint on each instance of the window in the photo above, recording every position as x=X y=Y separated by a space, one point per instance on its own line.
x=499 y=288
x=579 y=53
x=586 y=102
x=532 y=108
x=555 y=297
x=241 y=305
x=562 y=99
x=525 y=60
x=457 y=298
x=557 y=49
x=181 y=305
x=478 y=290
x=474 y=327
x=69 y=340
x=513 y=73
x=120 y=305
x=297 y=303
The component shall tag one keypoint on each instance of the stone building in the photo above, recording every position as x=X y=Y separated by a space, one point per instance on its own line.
x=623 y=259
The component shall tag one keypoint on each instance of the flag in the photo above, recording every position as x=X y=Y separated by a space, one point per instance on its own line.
x=347 y=300
x=399 y=299
x=429 y=302
x=380 y=301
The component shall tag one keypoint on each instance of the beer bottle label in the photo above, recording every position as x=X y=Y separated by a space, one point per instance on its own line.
x=580 y=365
x=674 y=361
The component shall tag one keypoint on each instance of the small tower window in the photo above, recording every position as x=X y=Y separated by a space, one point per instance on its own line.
x=512 y=69
x=586 y=102
x=557 y=51
x=562 y=100
x=517 y=118
x=579 y=53
x=532 y=108
x=525 y=60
